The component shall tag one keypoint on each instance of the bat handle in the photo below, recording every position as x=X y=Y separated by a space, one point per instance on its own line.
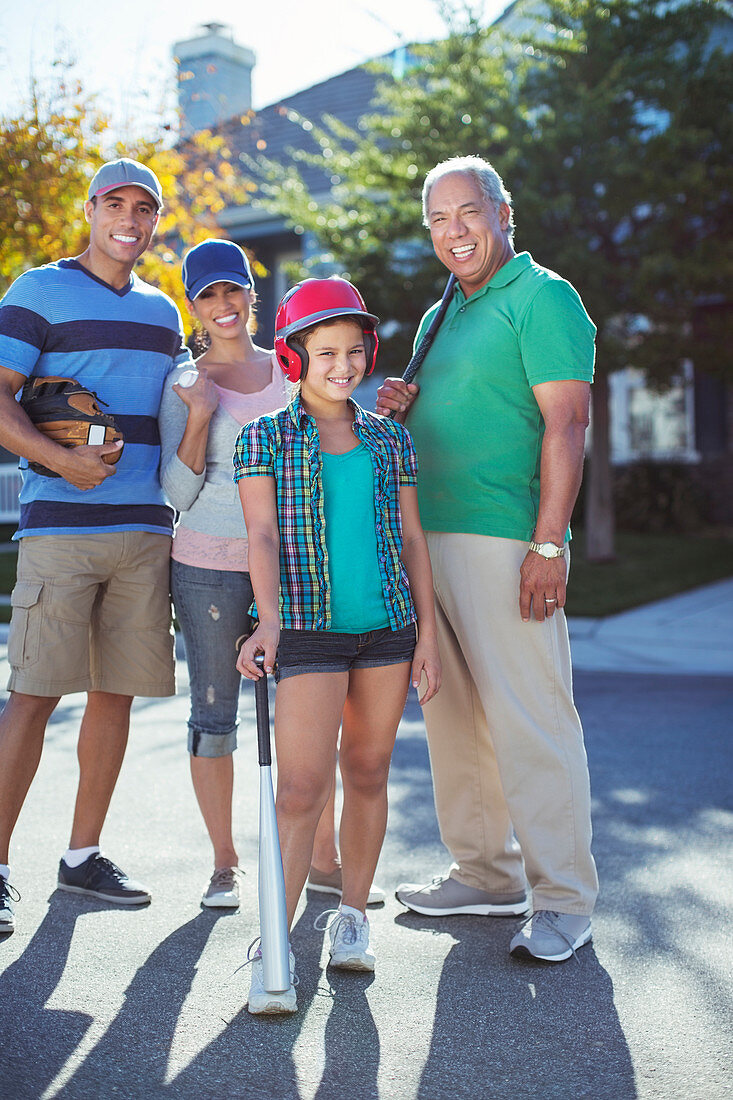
x=262 y=706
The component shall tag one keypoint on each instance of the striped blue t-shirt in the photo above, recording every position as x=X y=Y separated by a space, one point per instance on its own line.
x=62 y=320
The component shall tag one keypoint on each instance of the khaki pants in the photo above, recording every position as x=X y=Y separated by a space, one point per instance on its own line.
x=92 y=612
x=506 y=744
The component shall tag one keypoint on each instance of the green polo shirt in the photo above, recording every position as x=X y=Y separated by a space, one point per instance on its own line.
x=476 y=424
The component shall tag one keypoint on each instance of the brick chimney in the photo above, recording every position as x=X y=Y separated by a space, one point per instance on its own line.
x=214 y=78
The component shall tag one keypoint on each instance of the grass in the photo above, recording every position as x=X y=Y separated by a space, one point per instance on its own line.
x=647 y=568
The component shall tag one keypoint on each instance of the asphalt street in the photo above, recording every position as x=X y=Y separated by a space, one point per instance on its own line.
x=97 y=1001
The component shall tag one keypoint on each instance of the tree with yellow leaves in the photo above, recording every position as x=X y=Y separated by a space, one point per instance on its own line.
x=49 y=152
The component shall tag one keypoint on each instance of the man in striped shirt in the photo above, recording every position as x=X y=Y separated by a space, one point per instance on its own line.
x=91 y=610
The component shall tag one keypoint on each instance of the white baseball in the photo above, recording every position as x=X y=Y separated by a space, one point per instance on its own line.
x=188 y=378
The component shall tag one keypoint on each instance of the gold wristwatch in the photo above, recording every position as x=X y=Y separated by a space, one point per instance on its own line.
x=548 y=549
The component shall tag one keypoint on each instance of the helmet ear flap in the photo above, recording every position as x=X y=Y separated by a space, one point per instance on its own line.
x=293 y=359
x=299 y=350
x=371 y=343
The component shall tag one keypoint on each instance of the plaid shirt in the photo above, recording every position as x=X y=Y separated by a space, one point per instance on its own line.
x=285 y=445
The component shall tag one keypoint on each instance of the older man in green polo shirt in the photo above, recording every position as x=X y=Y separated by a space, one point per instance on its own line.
x=499 y=428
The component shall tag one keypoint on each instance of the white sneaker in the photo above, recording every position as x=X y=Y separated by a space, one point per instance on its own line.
x=222 y=891
x=260 y=1001
x=349 y=935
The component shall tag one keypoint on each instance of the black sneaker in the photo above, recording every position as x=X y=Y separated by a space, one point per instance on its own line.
x=99 y=877
x=8 y=894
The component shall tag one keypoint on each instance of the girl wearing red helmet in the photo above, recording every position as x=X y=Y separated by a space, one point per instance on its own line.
x=200 y=416
x=343 y=591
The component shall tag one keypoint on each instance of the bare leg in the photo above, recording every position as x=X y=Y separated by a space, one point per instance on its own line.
x=213 y=782
x=325 y=853
x=102 y=744
x=22 y=727
x=372 y=712
x=307 y=719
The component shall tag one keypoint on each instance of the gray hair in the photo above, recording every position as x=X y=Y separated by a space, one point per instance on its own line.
x=486 y=176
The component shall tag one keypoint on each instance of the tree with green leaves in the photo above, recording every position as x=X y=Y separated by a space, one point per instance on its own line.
x=611 y=123
x=456 y=96
x=626 y=185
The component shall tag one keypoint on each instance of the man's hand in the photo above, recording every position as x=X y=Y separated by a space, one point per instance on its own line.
x=396 y=396
x=83 y=467
x=542 y=586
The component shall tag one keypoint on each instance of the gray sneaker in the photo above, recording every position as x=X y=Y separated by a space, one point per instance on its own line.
x=8 y=894
x=223 y=889
x=551 y=936
x=329 y=882
x=447 y=897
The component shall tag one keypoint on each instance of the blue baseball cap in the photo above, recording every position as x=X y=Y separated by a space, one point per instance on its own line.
x=214 y=261
x=126 y=173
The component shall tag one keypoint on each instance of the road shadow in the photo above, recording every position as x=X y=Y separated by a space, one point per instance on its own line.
x=511 y=1030
x=253 y=1057
x=351 y=1041
x=38 y=1041
x=131 y=1058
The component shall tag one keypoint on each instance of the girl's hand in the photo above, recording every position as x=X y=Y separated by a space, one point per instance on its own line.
x=202 y=397
x=264 y=640
x=426 y=661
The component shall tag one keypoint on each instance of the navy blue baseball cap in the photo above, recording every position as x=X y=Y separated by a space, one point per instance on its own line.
x=214 y=261
x=126 y=173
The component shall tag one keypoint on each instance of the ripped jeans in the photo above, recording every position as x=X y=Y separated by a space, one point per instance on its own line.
x=212 y=608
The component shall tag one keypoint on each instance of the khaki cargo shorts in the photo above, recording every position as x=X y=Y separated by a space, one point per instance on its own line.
x=92 y=612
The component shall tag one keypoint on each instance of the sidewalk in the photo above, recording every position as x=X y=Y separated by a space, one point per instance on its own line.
x=689 y=634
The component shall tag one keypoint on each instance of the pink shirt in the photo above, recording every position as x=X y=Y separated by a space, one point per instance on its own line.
x=205 y=551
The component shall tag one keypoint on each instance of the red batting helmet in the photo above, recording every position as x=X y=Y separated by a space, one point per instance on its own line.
x=316 y=300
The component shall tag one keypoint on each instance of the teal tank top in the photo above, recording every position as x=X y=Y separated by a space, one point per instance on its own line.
x=357 y=600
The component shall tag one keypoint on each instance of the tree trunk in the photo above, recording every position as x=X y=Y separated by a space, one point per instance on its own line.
x=599 y=515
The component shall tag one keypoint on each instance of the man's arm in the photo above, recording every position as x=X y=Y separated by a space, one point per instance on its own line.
x=81 y=466
x=564 y=407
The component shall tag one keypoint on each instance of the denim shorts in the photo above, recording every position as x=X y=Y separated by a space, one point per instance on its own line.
x=302 y=651
x=212 y=607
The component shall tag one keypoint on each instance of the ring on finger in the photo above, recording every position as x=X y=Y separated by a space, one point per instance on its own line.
x=550 y=599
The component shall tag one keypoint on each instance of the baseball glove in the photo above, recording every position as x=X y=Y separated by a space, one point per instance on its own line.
x=66 y=412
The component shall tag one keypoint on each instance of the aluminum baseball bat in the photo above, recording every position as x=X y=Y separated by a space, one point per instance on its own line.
x=426 y=343
x=270 y=881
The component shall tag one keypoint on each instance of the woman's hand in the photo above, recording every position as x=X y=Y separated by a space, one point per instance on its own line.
x=201 y=398
x=426 y=662
x=264 y=640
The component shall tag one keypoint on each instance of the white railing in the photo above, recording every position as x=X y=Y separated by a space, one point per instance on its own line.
x=9 y=489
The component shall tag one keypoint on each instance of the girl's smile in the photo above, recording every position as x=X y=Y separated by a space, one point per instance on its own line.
x=336 y=363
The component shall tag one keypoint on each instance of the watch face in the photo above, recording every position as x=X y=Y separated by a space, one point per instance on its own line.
x=548 y=549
